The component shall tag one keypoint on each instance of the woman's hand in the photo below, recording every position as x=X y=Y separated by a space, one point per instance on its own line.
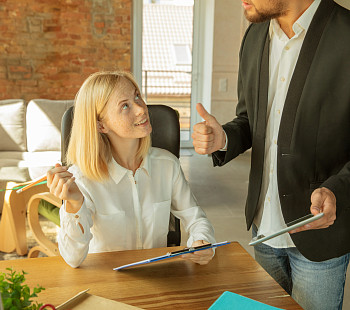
x=202 y=257
x=61 y=184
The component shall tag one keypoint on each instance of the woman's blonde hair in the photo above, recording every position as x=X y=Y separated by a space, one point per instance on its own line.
x=89 y=149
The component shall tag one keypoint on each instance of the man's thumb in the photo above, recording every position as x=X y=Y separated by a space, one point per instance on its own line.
x=203 y=112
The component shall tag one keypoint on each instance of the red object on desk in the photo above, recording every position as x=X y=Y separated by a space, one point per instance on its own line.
x=47 y=305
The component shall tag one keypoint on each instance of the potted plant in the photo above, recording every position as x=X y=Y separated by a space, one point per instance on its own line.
x=15 y=294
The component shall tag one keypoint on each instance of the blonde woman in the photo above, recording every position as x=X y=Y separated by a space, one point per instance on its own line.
x=119 y=191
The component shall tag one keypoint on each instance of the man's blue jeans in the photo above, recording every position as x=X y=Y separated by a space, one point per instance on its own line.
x=313 y=285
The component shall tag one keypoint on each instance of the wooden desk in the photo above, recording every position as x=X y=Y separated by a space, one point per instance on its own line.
x=169 y=284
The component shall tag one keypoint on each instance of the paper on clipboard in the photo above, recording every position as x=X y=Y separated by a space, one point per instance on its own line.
x=174 y=254
x=86 y=301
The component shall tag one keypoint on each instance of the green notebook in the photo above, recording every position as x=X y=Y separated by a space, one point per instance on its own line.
x=232 y=301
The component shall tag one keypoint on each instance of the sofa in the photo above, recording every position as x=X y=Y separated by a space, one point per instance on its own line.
x=30 y=138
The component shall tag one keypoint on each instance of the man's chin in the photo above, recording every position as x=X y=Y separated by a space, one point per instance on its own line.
x=256 y=18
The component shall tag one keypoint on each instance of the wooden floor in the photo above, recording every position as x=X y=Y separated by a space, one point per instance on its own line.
x=50 y=229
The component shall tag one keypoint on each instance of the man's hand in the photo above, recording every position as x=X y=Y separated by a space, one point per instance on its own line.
x=208 y=136
x=322 y=200
x=200 y=257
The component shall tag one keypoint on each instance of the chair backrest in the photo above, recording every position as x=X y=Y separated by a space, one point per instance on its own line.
x=165 y=135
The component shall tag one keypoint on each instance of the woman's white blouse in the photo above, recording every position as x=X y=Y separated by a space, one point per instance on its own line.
x=131 y=212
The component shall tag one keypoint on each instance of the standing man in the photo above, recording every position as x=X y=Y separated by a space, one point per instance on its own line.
x=294 y=112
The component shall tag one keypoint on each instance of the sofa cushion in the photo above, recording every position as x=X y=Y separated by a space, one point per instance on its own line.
x=36 y=163
x=12 y=158
x=15 y=174
x=24 y=166
x=12 y=125
x=44 y=124
x=39 y=162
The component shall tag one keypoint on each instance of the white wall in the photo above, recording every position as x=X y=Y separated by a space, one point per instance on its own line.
x=230 y=25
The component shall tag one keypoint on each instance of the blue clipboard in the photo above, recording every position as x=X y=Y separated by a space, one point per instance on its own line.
x=174 y=254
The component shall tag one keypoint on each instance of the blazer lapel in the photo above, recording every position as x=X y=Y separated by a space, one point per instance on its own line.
x=301 y=71
x=263 y=90
x=258 y=143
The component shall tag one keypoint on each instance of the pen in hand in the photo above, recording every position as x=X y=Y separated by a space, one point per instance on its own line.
x=33 y=183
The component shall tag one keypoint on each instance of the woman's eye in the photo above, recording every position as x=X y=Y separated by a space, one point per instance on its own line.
x=137 y=97
x=125 y=106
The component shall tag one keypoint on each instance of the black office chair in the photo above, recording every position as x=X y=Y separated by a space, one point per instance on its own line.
x=165 y=134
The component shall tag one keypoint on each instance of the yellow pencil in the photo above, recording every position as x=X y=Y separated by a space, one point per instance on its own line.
x=35 y=182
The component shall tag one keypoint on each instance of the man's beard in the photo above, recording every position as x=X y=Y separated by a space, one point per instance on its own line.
x=278 y=10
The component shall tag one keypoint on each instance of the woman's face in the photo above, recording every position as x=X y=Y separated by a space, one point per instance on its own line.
x=126 y=114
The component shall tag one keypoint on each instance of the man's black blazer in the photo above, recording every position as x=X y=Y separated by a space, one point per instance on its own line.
x=314 y=136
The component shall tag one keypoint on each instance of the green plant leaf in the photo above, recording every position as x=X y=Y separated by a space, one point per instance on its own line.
x=26 y=303
x=17 y=303
x=15 y=294
x=7 y=303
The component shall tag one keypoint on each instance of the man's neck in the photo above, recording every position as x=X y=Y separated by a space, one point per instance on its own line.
x=297 y=8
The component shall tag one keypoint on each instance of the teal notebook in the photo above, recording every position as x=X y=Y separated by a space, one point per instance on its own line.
x=232 y=301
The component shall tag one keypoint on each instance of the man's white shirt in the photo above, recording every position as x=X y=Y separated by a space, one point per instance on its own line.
x=284 y=53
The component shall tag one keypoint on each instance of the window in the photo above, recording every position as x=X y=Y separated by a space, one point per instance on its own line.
x=172 y=55
x=182 y=54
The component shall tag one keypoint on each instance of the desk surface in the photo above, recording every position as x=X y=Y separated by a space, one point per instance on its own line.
x=169 y=284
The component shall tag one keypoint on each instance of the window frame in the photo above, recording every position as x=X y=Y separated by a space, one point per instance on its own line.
x=202 y=55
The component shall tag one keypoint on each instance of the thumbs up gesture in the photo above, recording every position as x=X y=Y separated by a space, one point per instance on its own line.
x=208 y=136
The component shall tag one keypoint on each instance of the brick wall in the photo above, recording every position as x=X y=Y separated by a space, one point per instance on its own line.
x=49 y=47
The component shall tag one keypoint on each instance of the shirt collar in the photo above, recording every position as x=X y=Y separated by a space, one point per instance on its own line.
x=146 y=165
x=117 y=172
x=305 y=19
x=302 y=23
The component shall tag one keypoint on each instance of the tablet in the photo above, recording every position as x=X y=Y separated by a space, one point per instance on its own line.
x=174 y=254
x=290 y=226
